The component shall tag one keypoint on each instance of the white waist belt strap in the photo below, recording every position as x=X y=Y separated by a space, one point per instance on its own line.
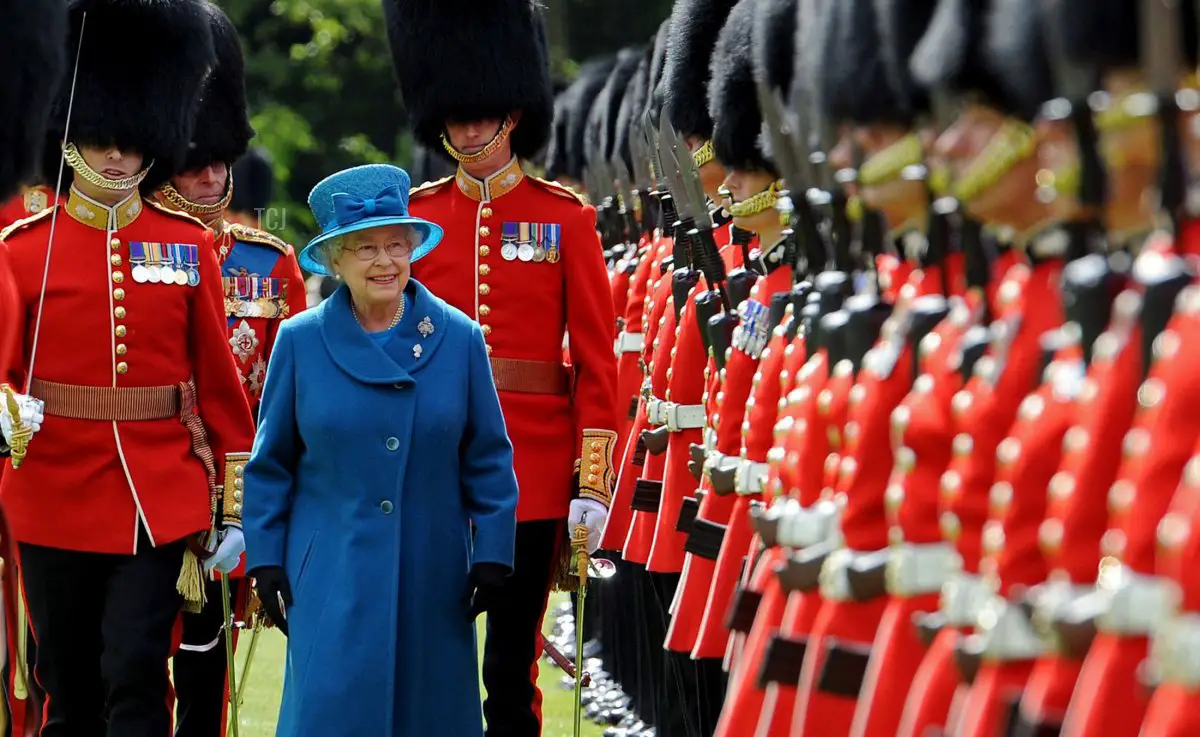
x=751 y=477
x=655 y=411
x=1136 y=603
x=1175 y=650
x=963 y=597
x=1007 y=633
x=808 y=525
x=920 y=569
x=683 y=416
x=629 y=342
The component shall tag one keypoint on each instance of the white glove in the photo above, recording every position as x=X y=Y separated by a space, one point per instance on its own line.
x=30 y=409
x=591 y=513
x=229 y=551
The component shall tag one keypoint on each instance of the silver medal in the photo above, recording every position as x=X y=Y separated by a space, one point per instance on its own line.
x=508 y=251
x=140 y=274
x=154 y=274
x=525 y=252
x=167 y=274
x=539 y=254
x=181 y=278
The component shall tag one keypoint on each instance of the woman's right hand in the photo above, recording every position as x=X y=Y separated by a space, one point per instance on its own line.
x=274 y=593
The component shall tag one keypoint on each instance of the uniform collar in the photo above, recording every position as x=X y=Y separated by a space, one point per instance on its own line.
x=102 y=217
x=495 y=186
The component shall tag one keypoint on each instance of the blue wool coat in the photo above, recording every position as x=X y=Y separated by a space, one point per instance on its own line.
x=369 y=467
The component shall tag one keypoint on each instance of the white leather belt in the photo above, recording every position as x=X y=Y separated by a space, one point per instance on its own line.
x=1053 y=602
x=1136 y=603
x=808 y=525
x=717 y=459
x=1007 y=634
x=920 y=569
x=684 y=416
x=751 y=477
x=656 y=411
x=835 y=572
x=963 y=597
x=629 y=342
x=1175 y=651
x=710 y=441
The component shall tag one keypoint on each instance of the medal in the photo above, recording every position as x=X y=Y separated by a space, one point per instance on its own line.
x=539 y=253
x=553 y=240
x=509 y=251
x=137 y=254
x=193 y=278
x=192 y=259
x=525 y=252
x=166 y=274
x=153 y=257
x=181 y=277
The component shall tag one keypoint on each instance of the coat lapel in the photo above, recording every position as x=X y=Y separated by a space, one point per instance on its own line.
x=401 y=357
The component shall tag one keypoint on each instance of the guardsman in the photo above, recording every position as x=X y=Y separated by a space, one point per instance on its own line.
x=262 y=286
x=521 y=256
x=140 y=423
x=26 y=95
x=752 y=182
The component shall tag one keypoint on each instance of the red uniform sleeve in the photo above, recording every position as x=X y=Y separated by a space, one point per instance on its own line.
x=590 y=327
x=297 y=296
x=219 y=396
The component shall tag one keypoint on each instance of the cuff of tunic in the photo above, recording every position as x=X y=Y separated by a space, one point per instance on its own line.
x=597 y=476
x=232 y=493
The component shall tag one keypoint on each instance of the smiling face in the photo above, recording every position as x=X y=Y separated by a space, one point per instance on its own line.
x=375 y=263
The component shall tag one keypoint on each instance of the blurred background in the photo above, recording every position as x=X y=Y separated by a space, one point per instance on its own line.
x=323 y=97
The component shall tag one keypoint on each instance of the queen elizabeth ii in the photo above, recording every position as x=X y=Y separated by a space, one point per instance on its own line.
x=380 y=496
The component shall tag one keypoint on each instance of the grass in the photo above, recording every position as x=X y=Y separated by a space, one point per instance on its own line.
x=261 y=705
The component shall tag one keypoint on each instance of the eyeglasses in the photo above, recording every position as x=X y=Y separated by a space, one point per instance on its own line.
x=370 y=251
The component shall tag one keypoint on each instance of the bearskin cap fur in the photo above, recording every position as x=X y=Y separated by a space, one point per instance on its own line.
x=855 y=74
x=253 y=181
x=1016 y=49
x=901 y=25
x=950 y=55
x=658 y=61
x=695 y=25
x=469 y=60
x=732 y=95
x=613 y=95
x=629 y=117
x=39 y=29
x=565 y=156
x=223 y=129
x=145 y=101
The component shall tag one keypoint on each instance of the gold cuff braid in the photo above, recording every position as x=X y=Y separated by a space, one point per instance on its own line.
x=234 y=488
x=597 y=476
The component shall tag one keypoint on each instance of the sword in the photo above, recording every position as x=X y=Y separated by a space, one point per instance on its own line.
x=257 y=626
x=564 y=663
x=579 y=538
x=230 y=666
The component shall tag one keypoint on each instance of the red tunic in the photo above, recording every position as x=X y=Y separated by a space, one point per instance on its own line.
x=29 y=202
x=100 y=328
x=525 y=308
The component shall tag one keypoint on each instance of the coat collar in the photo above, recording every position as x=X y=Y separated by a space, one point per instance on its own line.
x=495 y=186
x=402 y=356
x=102 y=217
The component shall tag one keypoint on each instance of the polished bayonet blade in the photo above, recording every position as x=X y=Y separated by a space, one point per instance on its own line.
x=690 y=175
x=683 y=204
x=786 y=156
x=651 y=136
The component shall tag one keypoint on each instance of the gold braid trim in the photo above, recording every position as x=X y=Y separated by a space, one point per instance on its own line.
x=759 y=203
x=888 y=164
x=172 y=195
x=231 y=499
x=485 y=152
x=596 y=474
x=704 y=154
x=1013 y=142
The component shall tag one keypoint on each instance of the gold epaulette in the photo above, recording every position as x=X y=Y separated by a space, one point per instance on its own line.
x=429 y=187
x=254 y=235
x=25 y=222
x=177 y=214
x=560 y=190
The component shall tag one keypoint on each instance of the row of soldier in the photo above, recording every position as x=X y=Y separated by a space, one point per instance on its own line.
x=909 y=444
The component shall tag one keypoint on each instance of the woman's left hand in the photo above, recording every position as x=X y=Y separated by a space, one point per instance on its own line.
x=483 y=585
x=228 y=553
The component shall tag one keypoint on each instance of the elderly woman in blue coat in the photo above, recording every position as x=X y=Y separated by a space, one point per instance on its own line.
x=380 y=499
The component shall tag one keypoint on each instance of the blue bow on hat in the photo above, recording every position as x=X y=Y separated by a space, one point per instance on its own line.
x=360 y=198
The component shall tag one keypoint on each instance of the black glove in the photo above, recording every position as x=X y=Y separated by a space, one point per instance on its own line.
x=483 y=586
x=274 y=592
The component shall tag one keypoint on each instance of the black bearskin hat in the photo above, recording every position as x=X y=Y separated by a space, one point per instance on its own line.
x=253 y=181
x=429 y=166
x=695 y=25
x=1016 y=49
x=556 y=147
x=612 y=96
x=593 y=74
x=1107 y=33
x=774 y=53
x=901 y=25
x=469 y=60
x=629 y=117
x=855 y=73
x=658 y=61
x=144 y=101
x=950 y=55
x=223 y=129
x=38 y=29
x=732 y=95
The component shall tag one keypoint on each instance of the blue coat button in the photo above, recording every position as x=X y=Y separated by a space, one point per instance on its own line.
x=386 y=507
x=393 y=443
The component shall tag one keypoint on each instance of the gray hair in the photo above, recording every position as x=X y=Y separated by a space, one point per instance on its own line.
x=329 y=251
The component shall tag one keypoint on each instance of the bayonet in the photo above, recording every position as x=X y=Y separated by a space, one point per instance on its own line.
x=690 y=179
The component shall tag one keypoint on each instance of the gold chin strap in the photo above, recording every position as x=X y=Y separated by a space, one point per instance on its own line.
x=1013 y=142
x=759 y=203
x=1053 y=183
x=172 y=195
x=888 y=164
x=704 y=154
x=75 y=160
x=484 y=153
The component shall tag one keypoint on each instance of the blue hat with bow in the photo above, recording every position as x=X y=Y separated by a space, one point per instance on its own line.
x=360 y=198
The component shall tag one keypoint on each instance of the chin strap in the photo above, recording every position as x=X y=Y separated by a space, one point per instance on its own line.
x=487 y=151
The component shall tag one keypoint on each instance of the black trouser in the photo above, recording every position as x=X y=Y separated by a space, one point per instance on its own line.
x=690 y=692
x=514 y=625
x=200 y=666
x=103 y=627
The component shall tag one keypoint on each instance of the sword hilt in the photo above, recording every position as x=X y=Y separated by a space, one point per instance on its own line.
x=21 y=433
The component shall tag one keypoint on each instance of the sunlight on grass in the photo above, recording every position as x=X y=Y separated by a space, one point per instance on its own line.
x=261 y=705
